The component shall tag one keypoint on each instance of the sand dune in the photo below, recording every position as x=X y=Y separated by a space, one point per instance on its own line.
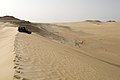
x=66 y=51
x=42 y=58
x=54 y=61
x=101 y=40
x=7 y=37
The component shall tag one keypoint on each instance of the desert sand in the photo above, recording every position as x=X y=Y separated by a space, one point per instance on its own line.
x=67 y=51
x=7 y=37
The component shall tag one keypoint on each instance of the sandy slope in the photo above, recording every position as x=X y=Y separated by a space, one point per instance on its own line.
x=39 y=58
x=51 y=54
x=101 y=40
x=7 y=37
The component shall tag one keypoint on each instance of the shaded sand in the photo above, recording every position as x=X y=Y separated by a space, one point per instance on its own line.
x=39 y=58
x=7 y=37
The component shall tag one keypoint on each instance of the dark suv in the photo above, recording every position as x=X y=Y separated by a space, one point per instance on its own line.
x=23 y=29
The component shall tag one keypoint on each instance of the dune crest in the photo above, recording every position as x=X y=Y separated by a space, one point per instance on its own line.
x=7 y=37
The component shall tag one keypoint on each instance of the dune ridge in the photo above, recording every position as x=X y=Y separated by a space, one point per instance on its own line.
x=7 y=37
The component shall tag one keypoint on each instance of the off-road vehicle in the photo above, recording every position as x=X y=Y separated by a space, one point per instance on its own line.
x=23 y=29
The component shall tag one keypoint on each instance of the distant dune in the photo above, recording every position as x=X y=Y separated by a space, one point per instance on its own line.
x=65 y=51
x=8 y=18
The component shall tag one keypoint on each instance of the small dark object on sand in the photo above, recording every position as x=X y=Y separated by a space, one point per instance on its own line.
x=23 y=29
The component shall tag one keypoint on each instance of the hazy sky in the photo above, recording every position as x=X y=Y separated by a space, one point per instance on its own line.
x=61 y=10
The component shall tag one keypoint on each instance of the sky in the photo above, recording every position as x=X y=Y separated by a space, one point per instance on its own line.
x=61 y=10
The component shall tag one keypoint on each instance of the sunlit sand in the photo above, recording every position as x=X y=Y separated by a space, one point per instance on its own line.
x=64 y=51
